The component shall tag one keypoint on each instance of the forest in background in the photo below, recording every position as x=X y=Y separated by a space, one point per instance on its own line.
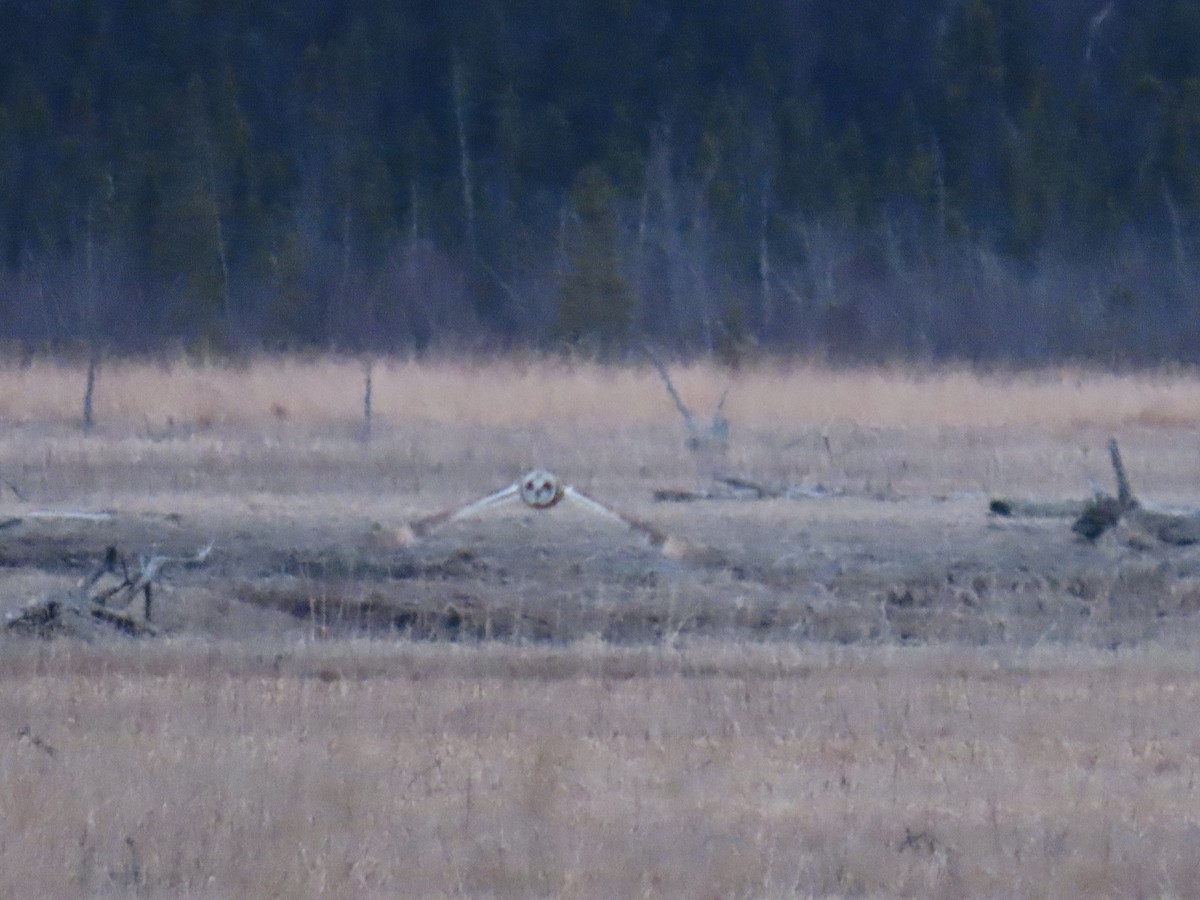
x=990 y=181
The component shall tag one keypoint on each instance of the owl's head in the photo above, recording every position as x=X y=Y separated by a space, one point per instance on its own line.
x=541 y=489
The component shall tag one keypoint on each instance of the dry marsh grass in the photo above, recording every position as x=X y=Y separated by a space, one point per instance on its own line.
x=274 y=765
x=373 y=770
x=541 y=392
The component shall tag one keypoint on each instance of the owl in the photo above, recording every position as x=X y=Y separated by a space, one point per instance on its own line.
x=540 y=490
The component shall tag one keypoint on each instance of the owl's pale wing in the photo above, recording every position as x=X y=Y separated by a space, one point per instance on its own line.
x=656 y=537
x=427 y=524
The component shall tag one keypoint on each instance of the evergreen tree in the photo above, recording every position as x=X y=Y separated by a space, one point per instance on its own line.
x=595 y=307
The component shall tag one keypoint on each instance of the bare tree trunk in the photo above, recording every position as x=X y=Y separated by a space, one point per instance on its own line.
x=464 y=159
x=639 y=260
x=90 y=388
x=767 y=312
x=1177 y=246
x=939 y=174
x=219 y=232
x=415 y=203
x=368 y=366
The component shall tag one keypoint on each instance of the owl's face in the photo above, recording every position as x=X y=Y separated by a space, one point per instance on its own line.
x=541 y=489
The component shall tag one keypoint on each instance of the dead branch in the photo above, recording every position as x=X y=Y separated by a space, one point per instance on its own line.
x=681 y=495
x=756 y=490
x=1124 y=494
x=736 y=487
x=717 y=434
x=368 y=369
x=718 y=428
x=68 y=515
x=1091 y=517
x=16 y=492
x=1035 y=509
x=1103 y=512
x=26 y=736
x=48 y=515
x=104 y=599
x=665 y=377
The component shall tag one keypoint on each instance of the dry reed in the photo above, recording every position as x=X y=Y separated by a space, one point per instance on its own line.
x=525 y=392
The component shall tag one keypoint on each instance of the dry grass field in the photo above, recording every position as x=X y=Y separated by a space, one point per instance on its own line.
x=865 y=686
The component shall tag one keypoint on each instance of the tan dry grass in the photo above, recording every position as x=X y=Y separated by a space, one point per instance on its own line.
x=535 y=392
x=369 y=770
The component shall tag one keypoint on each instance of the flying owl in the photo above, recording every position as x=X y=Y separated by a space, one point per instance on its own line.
x=540 y=490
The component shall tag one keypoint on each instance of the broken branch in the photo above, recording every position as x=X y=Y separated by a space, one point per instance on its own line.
x=94 y=602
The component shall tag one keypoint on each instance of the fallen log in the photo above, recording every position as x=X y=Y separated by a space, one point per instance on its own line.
x=737 y=487
x=1180 y=529
x=46 y=515
x=744 y=486
x=1103 y=512
x=67 y=515
x=680 y=495
x=1035 y=509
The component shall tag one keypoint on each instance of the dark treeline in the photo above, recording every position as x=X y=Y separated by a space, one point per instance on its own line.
x=986 y=180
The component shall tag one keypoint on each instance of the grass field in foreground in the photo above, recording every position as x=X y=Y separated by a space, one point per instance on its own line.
x=370 y=770
x=522 y=392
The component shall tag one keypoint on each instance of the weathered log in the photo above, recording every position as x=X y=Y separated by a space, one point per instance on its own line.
x=742 y=485
x=1180 y=529
x=102 y=602
x=737 y=488
x=1035 y=509
x=1099 y=514
x=1102 y=512
x=680 y=495
x=67 y=515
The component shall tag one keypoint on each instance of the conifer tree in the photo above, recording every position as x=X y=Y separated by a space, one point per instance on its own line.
x=596 y=306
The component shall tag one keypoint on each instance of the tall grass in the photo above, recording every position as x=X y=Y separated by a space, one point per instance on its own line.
x=370 y=770
x=532 y=392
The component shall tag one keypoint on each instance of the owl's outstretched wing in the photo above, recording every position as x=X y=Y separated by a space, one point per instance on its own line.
x=656 y=537
x=426 y=524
